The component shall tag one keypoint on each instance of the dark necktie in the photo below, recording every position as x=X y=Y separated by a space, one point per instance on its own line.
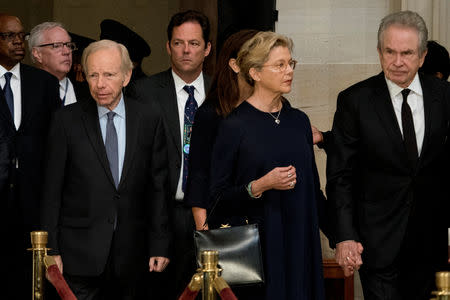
x=8 y=93
x=409 y=134
x=111 y=146
x=189 y=114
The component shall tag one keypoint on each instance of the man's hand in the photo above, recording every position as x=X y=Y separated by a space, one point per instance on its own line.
x=317 y=135
x=348 y=256
x=158 y=263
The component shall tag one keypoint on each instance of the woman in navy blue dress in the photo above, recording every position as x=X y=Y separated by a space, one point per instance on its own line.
x=263 y=169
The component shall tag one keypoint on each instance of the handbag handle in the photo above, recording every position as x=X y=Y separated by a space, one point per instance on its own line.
x=212 y=210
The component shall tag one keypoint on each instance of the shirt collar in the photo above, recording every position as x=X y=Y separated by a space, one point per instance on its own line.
x=414 y=86
x=14 y=70
x=63 y=82
x=119 y=110
x=179 y=83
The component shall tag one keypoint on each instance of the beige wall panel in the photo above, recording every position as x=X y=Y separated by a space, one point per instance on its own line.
x=149 y=18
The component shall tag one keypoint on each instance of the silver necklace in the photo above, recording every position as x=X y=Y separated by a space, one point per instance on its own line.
x=277 y=118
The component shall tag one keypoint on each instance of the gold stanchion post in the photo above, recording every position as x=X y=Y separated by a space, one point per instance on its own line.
x=443 y=285
x=39 y=241
x=209 y=259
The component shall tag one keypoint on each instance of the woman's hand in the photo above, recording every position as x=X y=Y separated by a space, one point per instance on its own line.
x=280 y=178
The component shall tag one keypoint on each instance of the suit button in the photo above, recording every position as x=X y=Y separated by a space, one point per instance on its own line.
x=13 y=161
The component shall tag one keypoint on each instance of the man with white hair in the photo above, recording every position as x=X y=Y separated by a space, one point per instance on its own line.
x=51 y=50
x=104 y=193
x=387 y=171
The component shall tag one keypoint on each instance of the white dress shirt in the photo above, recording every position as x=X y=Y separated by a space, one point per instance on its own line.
x=415 y=101
x=69 y=93
x=182 y=96
x=16 y=90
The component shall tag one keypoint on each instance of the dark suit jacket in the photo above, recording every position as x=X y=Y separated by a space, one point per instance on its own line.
x=81 y=202
x=379 y=199
x=161 y=88
x=5 y=149
x=81 y=90
x=40 y=97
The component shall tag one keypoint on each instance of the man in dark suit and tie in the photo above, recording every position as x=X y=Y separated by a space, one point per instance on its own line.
x=180 y=90
x=51 y=50
x=28 y=98
x=104 y=199
x=387 y=172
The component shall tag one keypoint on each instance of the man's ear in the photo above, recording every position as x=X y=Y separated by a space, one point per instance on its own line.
x=36 y=55
x=127 y=78
x=422 y=57
x=169 y=51
x=207 y=49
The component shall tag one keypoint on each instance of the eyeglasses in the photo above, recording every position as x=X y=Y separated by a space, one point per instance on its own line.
x=59 y=46
x=11 y=36
x=282 y=66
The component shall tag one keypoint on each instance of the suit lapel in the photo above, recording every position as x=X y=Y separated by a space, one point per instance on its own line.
x=93 y=131
x=27 y=89
x=132 y=130
x=170 y=107
x=384 y=108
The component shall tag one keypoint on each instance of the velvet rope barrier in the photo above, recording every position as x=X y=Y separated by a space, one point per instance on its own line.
x=192 y=289
x=223 y=289
x=57 y=280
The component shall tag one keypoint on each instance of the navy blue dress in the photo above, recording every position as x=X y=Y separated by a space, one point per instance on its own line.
x=249 y=144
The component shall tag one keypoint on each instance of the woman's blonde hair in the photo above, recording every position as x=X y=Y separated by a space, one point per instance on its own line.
x=255 y=52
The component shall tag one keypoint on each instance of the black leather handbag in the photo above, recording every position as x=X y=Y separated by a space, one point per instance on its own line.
x=239 y=252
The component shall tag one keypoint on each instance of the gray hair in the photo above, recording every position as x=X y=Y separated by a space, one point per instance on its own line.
x=408 y=19
x=126 y=64
x=35 y=38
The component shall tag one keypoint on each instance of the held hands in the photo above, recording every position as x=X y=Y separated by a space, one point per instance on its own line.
x=348 y=256
x=158 y=263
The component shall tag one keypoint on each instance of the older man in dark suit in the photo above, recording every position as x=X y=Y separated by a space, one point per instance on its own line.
x=180 y=90
x=104 y=200
x=27 y=99
x=387 y=172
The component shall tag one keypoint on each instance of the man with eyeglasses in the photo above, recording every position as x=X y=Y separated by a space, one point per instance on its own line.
x=27 y=98
x=51 y=50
